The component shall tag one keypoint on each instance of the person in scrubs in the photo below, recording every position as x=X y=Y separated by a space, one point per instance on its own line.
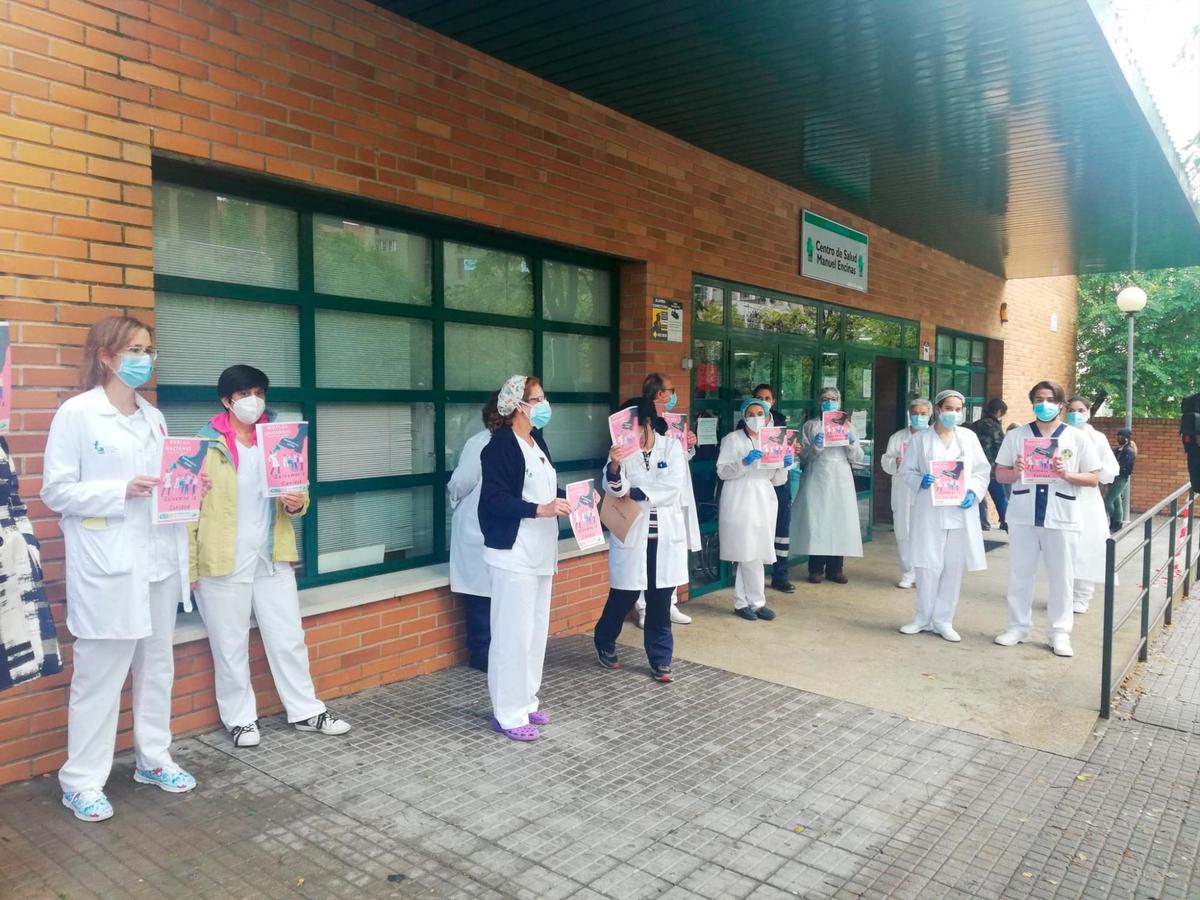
x=919 y=411
x=780 y=580
x=469 y=577
x=1093 y=532
x=1044 y=520
x=125 y=577
x=652 y=559
x=945 y=540
x=243 y=549
x=747 y=513
x=519 y=502
x=829 y=527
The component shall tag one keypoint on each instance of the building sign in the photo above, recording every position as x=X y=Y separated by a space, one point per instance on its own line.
x=666 y=322
x=832 y=252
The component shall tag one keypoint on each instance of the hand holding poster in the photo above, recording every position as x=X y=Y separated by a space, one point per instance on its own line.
x=284 y=449
x=1040 y=456
x=623 y=428
x=585 y=517
x=774 y=446
x=5 y=378
x=677 y=427
x=836 y=425
x=177 y=497
x=949 y=481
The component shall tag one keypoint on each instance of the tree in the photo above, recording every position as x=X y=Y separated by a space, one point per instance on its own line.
x=1167 y=340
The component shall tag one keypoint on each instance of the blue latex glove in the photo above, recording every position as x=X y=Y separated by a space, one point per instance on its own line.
x=752 y=457
x=637 y=494
x=926 y=481
x=819 y=440
x=968 y=501
x=851 y=437
x=788 y=460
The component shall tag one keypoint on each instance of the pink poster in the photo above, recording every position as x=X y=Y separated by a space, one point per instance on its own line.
x=677 y=427
x=623 y=428
x=949 y=481
x=836 y=425
x=5 y=378
x=1040 y=455
x=585 y=517
x=284 y=449
x=773 y=441
x=177 y=498
x=790 y=437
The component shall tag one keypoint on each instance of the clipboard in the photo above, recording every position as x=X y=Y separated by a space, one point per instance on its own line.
x=618 y=515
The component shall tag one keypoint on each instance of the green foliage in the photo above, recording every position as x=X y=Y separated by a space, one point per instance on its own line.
x=1166 y=354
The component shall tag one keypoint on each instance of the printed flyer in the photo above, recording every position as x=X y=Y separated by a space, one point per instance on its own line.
x=949 y=482
x=836 y=425
x=623 y=428
x=792 y=439
x=774 y=446
x=677 y=427
x=585 y=517
x=177 y=498
x=1040 y=455
x=284 y=449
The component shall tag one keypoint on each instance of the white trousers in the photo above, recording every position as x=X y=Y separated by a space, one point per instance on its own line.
x=904 y=551
x=750 y=586
x=938 y=589
x=1028 y=547
x=225 y=606
x=100 y=667
x=520 y=624
x=1084 y=591
x=641 y=601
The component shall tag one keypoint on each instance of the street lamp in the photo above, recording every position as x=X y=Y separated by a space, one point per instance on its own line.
x=1131 y=301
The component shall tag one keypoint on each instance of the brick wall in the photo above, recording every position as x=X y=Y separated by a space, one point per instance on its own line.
x=1161 y=464
x=343 y=96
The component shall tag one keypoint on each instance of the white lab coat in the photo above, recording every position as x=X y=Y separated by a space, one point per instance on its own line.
x=746 y=520
x=829 y=523
x=902 y=495
x=468 y=572
x=929 y=521
x=90 y=457
x=1093 y=537
x=690 y=513
x=663 y=484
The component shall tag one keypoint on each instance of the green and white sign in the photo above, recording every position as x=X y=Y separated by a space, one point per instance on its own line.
x=832 y=252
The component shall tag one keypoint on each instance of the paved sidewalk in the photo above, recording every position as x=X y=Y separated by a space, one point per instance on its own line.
x=718 y=786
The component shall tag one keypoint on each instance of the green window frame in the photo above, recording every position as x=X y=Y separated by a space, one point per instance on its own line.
x=308 y=395
x=960 y=363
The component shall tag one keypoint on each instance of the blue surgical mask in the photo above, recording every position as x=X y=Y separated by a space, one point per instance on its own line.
x=1046 y=411
x=918 y=421
x=830 y=405
x=539 y=414
x=135 y=370
x=670 y=404
x=950 y=418
x=1076 y=418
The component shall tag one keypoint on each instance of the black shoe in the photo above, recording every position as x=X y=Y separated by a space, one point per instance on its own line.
x=746 y=613
x=986 y=526
x=815 y=577
x=839 y=578
x=607 y=658
x=661 y=674
x=783 y=586
x=1004 y=526
x=765 y=613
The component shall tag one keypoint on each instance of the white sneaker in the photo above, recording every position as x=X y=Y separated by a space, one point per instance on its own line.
x=246 y=735
x=325 y=723
x=906 y=582
x=1061 y=645
x=913 y=628
x=1012 y=637
x=1080 y=606
x=641 y=619
x=948 y=633
x=678 y=618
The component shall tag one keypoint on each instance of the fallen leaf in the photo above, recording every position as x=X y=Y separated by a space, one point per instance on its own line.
x=299 y=881
x=930 y=675
x=799 y=829
x=1027 y=874
x=1084 y=776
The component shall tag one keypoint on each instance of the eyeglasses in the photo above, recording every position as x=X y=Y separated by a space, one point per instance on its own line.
x=142 y=351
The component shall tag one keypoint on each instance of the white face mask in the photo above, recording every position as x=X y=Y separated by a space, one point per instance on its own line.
x=755 y=423
x=249 y=409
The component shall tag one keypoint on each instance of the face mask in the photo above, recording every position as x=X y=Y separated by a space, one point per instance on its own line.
x=135 y=370
x=1046 y=411
x=918 y=421
x=949 y=419
x=755 y=423
x=1076 y=418
x=671 y=401
x=539 y=414
x=766 y=403
x=830 y=405
x=249 y=409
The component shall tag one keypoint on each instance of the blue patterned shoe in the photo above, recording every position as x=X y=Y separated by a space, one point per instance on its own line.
x=88 y=806
x=170 y=778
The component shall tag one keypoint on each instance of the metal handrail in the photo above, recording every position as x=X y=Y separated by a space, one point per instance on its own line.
x=1141 y=603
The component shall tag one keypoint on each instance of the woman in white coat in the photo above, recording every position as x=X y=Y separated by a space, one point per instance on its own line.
x=125 y=576
x=653 y=556
x=1093 y=534
x=829 y=528
x=919 y=411
x=946 y=540
x=469 y=576
x=747 y=512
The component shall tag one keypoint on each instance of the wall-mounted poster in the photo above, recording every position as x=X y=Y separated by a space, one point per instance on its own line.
x=666 y=322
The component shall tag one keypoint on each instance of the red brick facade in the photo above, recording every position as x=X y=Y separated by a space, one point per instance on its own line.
x=343 y=96
x=1161 y=464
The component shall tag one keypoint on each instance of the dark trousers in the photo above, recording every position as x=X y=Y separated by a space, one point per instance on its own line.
x=478 y=614
x=825 y=565
x=783 y=527
x=999 y=499
x=657 y=633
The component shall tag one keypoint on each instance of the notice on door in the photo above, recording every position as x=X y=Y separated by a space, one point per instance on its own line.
x=666 y=322
x=832 y=252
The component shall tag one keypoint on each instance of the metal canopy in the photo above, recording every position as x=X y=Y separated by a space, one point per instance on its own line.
x=1002 y=132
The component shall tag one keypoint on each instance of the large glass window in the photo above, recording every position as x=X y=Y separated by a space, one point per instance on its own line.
x=387 y=333
x=961 y=364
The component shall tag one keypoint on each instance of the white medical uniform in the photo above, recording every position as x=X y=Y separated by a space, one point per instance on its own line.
x=1093 y=535
x=746 y=519
x=829 y=523
x=267 y=589
x=662 y=480
x=468 y=572
x=1043 y=526
x=902 y=498
x=125 y=580
x=692 y=522
x=946 y=540
x=522 y=579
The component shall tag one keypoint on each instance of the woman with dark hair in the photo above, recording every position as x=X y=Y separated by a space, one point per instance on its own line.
x=243 y=548
x=1093 y=532
x=469 y=576
x=125 y=576
x=519 y=505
